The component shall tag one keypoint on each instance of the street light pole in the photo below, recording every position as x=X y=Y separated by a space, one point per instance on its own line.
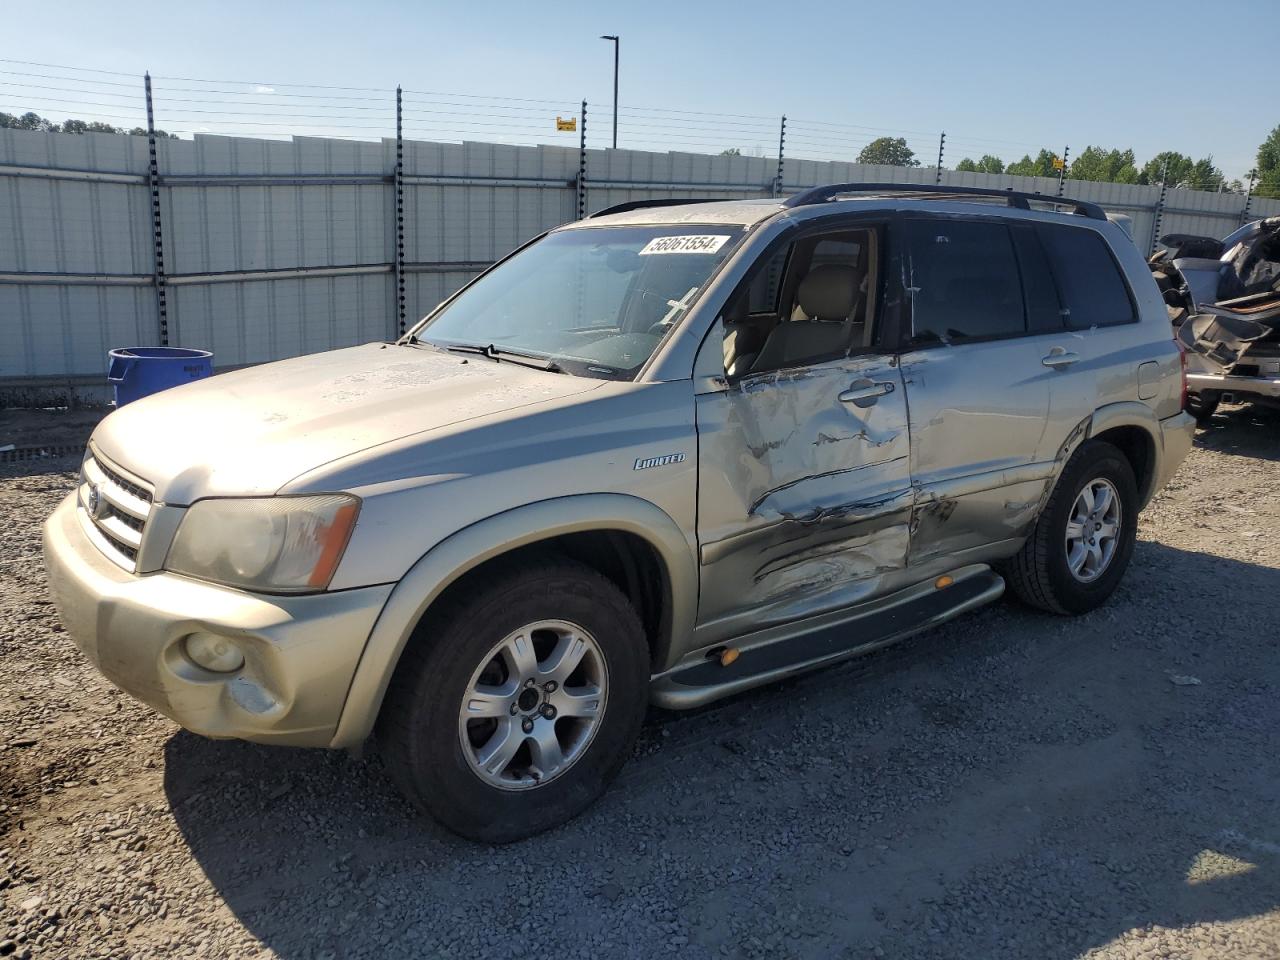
x=616 y=44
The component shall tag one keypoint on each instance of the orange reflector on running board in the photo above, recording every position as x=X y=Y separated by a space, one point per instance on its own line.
x=728 y=655
x=943 y=582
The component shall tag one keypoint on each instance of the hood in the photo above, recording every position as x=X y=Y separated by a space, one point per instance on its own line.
x=248 y=432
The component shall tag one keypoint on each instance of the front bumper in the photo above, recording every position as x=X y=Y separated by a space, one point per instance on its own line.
x=300 y=651
x=1256 y=386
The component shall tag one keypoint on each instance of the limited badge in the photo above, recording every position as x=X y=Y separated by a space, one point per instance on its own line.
x=647 y=463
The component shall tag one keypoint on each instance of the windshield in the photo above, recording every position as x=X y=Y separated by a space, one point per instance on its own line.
x=595 y=302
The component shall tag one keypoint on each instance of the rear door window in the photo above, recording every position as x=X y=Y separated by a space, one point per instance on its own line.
x=1090 y=285
x=963 y=281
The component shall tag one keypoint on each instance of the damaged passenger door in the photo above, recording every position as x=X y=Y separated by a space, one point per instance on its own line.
x=804 y=494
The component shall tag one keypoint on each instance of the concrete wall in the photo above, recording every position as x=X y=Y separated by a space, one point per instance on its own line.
x=277 y=248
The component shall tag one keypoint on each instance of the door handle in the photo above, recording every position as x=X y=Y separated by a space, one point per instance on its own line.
x=864 y=393
x=1059 y=358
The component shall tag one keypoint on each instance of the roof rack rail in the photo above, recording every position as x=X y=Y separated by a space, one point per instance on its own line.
x=1015 y=198
x=642 y=204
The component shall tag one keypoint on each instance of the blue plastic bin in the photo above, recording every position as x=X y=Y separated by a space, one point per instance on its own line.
x=137 y=372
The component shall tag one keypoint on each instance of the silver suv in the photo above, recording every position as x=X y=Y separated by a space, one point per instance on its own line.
x=661 y=455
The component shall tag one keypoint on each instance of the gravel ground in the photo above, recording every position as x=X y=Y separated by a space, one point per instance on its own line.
x=1010 y=785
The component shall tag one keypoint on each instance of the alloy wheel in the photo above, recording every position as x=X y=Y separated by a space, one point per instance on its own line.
x=533 y=705
x=1093 y=530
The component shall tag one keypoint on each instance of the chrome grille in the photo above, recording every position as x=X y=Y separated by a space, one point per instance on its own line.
x=116 y=506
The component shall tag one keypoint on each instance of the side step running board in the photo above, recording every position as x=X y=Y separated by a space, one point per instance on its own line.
x=893 y=618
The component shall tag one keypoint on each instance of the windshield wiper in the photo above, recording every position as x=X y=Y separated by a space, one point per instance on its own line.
x=491 y=352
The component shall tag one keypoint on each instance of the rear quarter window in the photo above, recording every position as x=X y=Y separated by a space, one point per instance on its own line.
x=1090 y=285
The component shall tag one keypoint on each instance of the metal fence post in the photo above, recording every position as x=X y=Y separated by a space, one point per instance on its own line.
x=942 y=142
x=782 y=141
x=399 y=184
x=157 y=234
x=582 y=163
x=1248 y=198
x=1062 y=174
x=1158 y=212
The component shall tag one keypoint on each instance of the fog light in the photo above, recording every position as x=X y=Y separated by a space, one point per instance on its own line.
x=215 y=653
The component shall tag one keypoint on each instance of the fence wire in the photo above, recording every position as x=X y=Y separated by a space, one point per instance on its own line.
x=189 y=107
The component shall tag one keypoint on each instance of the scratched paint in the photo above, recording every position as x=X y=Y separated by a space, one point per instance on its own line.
x=805 y=499
x=946 y=526
x=803 y=580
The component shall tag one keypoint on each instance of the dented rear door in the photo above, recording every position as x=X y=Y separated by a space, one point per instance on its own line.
x=977 y=386
x=804 y=498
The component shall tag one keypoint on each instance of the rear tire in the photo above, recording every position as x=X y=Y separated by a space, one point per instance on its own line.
x=455 y=732
x=1203 y=405
x=1070 y=575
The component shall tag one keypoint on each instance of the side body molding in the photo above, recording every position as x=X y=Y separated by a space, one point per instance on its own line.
x=468 y=548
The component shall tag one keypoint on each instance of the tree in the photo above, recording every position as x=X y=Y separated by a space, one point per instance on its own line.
x=1102 y=165
x=1269 y=166
x=1169 y=165
x=1041 y=166
x=1179 y=170
x=33 y=121
x=1204 y=175
x=889 y=152
x=93 y=126
x=731 y=152
x=988 y=164
x=28 y=121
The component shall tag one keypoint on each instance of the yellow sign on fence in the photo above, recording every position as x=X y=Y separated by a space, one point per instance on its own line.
x=1058 y=163
x=563 y=124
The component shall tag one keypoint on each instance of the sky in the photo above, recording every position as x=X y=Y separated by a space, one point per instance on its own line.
x=1004 y=78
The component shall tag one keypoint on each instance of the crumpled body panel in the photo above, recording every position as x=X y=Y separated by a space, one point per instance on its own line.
x=804 y=500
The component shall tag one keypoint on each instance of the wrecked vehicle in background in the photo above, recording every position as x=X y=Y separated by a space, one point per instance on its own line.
x=664 y=454
x=1223 y=298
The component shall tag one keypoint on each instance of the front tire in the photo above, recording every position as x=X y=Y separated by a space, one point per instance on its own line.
x=1081 y=545
x=517 y=701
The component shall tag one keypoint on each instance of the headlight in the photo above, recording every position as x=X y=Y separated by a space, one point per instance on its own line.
x=282 y=544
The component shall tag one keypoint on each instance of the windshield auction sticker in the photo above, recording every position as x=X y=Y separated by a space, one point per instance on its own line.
x=701 y=243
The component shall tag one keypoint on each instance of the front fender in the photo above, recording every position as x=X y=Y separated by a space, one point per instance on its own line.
x=473 y=545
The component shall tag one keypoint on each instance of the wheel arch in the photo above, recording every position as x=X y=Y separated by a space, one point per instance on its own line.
x=613 y=531
x=1132 y=428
